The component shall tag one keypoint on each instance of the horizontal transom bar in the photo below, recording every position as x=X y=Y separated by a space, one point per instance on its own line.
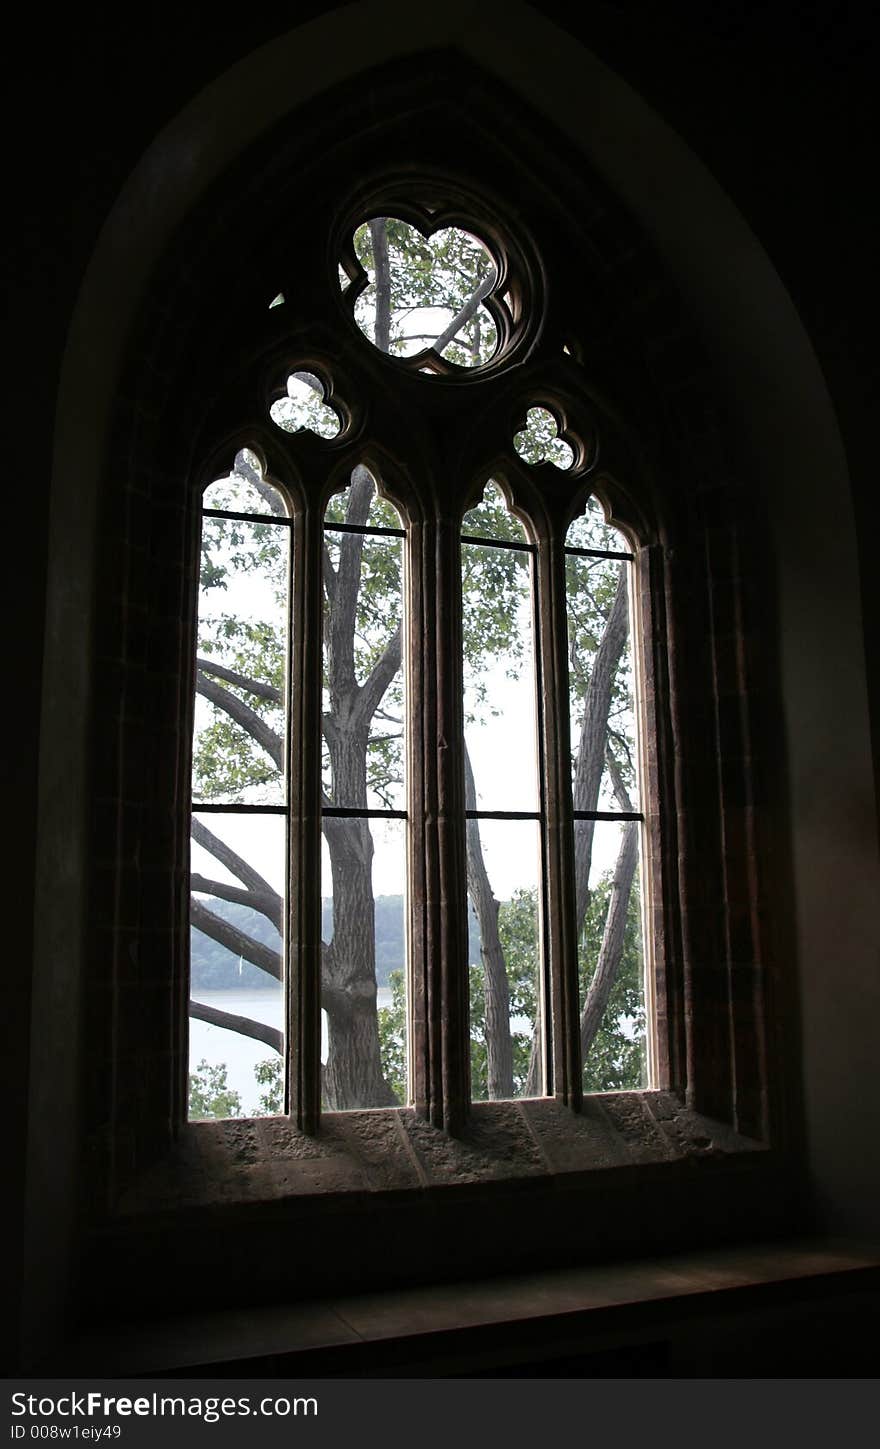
x=607 y=815
x=499 y=543
x=599 y=553
x=364 y=528
x=282 y=518
x=211 y=807
x=340 y=812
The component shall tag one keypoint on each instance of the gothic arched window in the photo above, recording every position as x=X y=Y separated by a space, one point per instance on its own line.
x=417 y=828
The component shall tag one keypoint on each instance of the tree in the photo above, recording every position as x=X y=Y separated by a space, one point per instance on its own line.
x=419 y=292
x=209 y=1094
x=615 y=1059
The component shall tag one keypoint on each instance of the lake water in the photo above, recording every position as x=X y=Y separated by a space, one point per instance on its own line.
x=240 y=1054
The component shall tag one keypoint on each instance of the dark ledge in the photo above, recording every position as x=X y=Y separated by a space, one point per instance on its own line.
x=265 y=1160
x=594 y=1316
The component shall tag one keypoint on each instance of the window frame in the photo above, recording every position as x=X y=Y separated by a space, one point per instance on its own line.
x=214 y=400
x=432 y=474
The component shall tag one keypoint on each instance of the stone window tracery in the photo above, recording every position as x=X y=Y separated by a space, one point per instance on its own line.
x=407 y=602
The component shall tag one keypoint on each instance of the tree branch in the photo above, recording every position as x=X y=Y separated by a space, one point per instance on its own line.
x=329 y=575
x=382 y=272
x=244 y=1025
x=271 y=496
x=373 y=689
x=242 y=681
x=621 y=793
x=593 y=735
x=342 y=591
x=466 y=313
x=236 y=941
x=342 y=612
x=243 y=715
x=268 y=494
x=611 y=950
x=268 y=904
x=228 y=857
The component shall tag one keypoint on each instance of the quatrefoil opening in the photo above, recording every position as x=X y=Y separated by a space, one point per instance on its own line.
x=540 y=442
x=425 y=293
x=304 y=408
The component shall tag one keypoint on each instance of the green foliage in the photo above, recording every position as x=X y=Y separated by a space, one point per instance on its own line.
x=304 y=408
x=518 y=934
x=226 y=765
x=248 y=564
x=495 y=586
x=392 y=1037
x=242 y=548
x=270 y=1074
x=209 y=1095
x=492 y=519
x=616 y=1059
x=539 y=441
x=211 y=1098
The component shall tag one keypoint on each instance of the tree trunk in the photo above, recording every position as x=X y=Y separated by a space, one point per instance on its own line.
x=353 y=1072
x=534 y=1083
x=611 y=950
x=379 y=239
x=499 y=1046
x=593 y=737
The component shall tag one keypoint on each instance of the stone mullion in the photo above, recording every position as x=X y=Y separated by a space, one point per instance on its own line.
x=304 y=823
x=423 y=1044
x=652 y=642
x=439 y=1028
x=564 y=1076
x=441 y=1049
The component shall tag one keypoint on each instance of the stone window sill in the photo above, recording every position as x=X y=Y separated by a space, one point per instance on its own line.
x=266 y=1160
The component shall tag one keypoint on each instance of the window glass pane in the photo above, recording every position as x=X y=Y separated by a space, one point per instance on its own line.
x=491 y=518
x=239 y=739
x=429 y=281
x=611 y=959
x=500 y=702
x=601 y=699
x=363 y=676
x=236 y=1028
x=539 y=441
x=363 y=989
x=304 y=408
x=361 y=504
x=503 y=868
x=245 y=490
x=590 y=530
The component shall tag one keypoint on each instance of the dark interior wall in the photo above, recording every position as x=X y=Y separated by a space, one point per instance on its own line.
x=777 y=106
